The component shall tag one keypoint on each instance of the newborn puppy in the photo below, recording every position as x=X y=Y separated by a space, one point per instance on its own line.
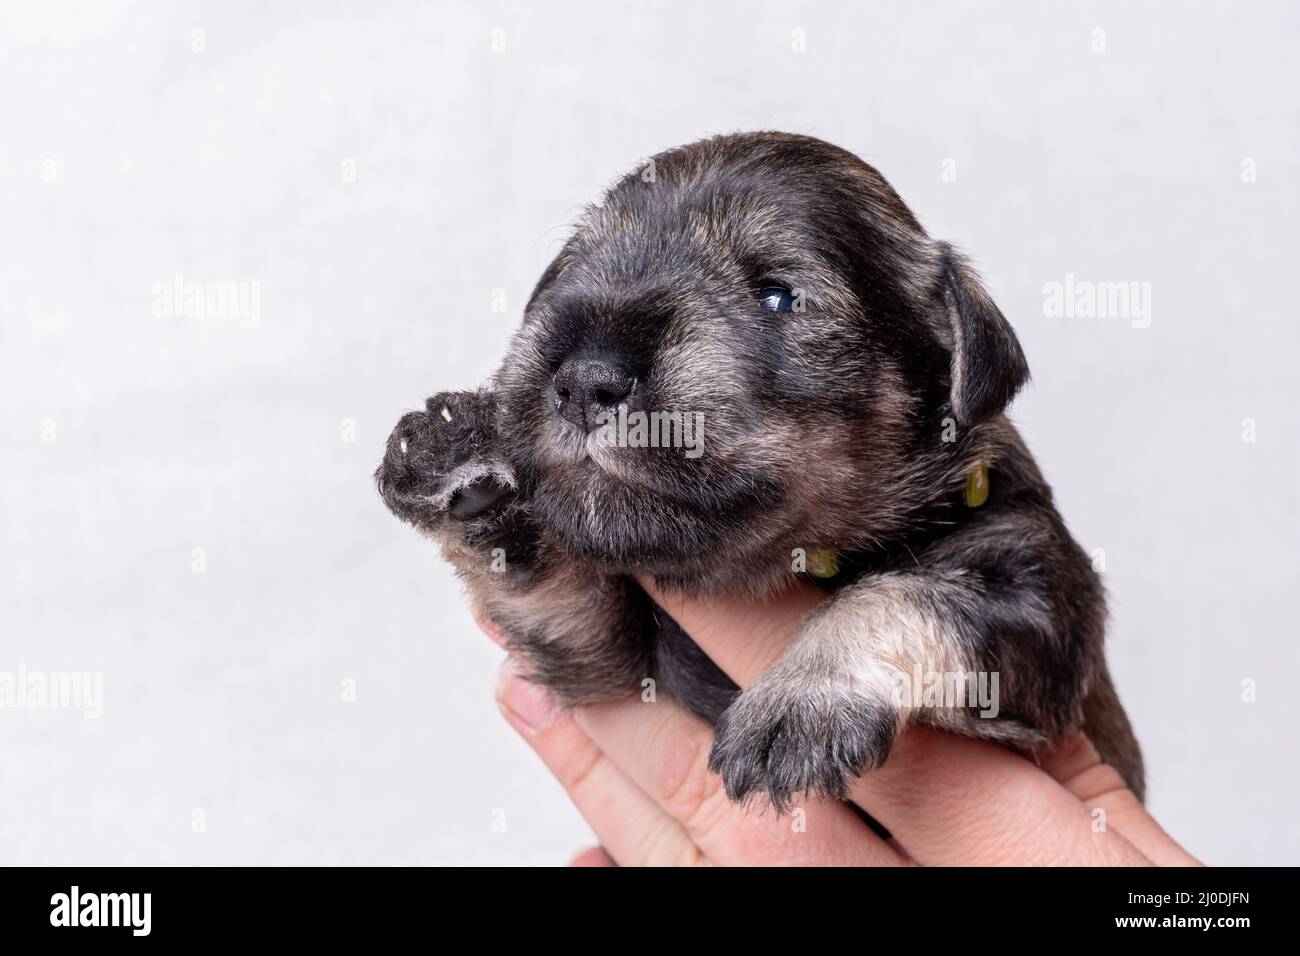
x=750 y=364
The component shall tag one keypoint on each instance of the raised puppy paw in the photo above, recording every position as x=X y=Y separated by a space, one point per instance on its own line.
x=796 y=731
x=444 y=466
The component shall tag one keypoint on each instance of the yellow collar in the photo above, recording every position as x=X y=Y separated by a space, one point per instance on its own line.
x=977 y=487
x=825 y=562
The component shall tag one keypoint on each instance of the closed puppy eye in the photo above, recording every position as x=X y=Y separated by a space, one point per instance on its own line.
x=777 y=298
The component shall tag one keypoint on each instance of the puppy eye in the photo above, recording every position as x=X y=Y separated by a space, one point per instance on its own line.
x=776 y=299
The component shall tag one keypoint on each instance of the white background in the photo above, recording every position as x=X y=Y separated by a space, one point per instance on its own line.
x=126 y=158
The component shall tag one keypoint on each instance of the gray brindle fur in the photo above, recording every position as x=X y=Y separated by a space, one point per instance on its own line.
x=849 y=423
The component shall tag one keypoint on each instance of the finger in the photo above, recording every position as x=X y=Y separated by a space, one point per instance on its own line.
x=488 y=626
x=629 y=825
x=1076 y=766
x=592 y=856
x=742 y=635
x=664 y=751
x=955 y=801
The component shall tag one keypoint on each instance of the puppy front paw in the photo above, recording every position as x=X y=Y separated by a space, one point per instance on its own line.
x=446 y=463
x=794 y=732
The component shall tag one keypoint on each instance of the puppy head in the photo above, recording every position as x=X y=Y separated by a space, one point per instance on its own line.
x=775 y=290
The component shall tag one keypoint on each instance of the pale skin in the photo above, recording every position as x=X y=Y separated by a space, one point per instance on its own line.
x=638 y=773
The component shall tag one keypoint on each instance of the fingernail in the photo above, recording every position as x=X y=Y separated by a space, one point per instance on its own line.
x=528 y=702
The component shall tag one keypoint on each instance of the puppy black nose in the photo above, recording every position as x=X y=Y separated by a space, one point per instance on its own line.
x=586 y=387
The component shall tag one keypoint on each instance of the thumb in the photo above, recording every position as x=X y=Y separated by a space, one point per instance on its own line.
x=742 y=635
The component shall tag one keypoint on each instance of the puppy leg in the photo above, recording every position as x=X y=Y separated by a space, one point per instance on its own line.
x=584 y=636
x=829 y=708
x=892 y=648
x=585 y=639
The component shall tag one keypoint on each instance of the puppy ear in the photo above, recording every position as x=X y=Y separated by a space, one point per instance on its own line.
x=551 y=274
x=988 y=366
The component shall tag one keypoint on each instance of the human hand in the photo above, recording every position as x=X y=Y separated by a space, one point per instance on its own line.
x=638 y=772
